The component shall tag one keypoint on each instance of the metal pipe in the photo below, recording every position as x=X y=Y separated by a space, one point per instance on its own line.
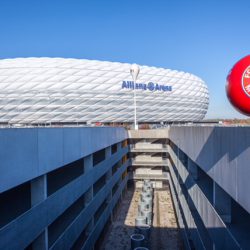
x=148 y=215
x=140 y=220
x=137 y=240
x=144 y=230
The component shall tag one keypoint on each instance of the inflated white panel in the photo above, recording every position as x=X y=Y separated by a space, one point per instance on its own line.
x=44 y=90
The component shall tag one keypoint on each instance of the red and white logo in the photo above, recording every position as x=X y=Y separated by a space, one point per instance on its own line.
x=238 y=85
x=246 y=81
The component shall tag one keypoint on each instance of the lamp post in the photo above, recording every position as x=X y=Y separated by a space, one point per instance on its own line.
x=134 y=71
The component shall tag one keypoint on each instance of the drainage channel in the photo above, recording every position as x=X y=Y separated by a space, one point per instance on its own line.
x=164 y=231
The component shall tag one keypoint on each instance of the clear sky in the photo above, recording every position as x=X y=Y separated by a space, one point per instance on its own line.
x=205 y=38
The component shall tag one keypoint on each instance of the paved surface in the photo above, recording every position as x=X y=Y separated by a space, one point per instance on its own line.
x=164 y=233
x=123 y=224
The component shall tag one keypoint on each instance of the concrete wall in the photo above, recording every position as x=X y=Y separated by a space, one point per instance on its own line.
x=148 y=171
x=148 y=158
x=192 y=197
x=154 y=133
x=148 y=145
x=222 y=152
x=29 y=155
x=208 y=167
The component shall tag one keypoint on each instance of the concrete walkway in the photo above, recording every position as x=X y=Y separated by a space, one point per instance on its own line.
x=164 y=233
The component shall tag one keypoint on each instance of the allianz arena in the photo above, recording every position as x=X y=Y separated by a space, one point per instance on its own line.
x=58 y=90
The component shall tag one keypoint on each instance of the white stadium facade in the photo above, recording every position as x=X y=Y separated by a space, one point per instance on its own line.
x=58 y=90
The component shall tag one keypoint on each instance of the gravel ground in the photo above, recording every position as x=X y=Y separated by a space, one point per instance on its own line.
x=164 y=233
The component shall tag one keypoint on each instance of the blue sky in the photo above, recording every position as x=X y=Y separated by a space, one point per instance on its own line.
x=205 y=38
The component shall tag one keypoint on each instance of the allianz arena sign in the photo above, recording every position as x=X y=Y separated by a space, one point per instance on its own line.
x=143 y=86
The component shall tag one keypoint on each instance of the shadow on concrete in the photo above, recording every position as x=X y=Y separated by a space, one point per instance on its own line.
x=117 y=234
x=221 y=236
x=220 y=156
x=231 y=141
x=223 y=157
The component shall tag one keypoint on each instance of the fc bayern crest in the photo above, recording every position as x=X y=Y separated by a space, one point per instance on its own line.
x=238 y=85
x=246 y=81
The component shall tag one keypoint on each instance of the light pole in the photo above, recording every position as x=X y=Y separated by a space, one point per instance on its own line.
x=134 y=71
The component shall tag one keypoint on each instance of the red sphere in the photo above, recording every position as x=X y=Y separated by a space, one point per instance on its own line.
x=238 y=85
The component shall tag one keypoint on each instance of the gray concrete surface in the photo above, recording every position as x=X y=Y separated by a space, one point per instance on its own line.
x=29 y=155
x=153 y=133
x=31 y=152
x=222 y=152
x=165 y=233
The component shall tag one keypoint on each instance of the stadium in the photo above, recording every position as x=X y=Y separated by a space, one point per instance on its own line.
x=58 y=90
x=177 y=187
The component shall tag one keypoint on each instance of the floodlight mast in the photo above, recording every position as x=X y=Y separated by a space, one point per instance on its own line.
x=134 y=71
